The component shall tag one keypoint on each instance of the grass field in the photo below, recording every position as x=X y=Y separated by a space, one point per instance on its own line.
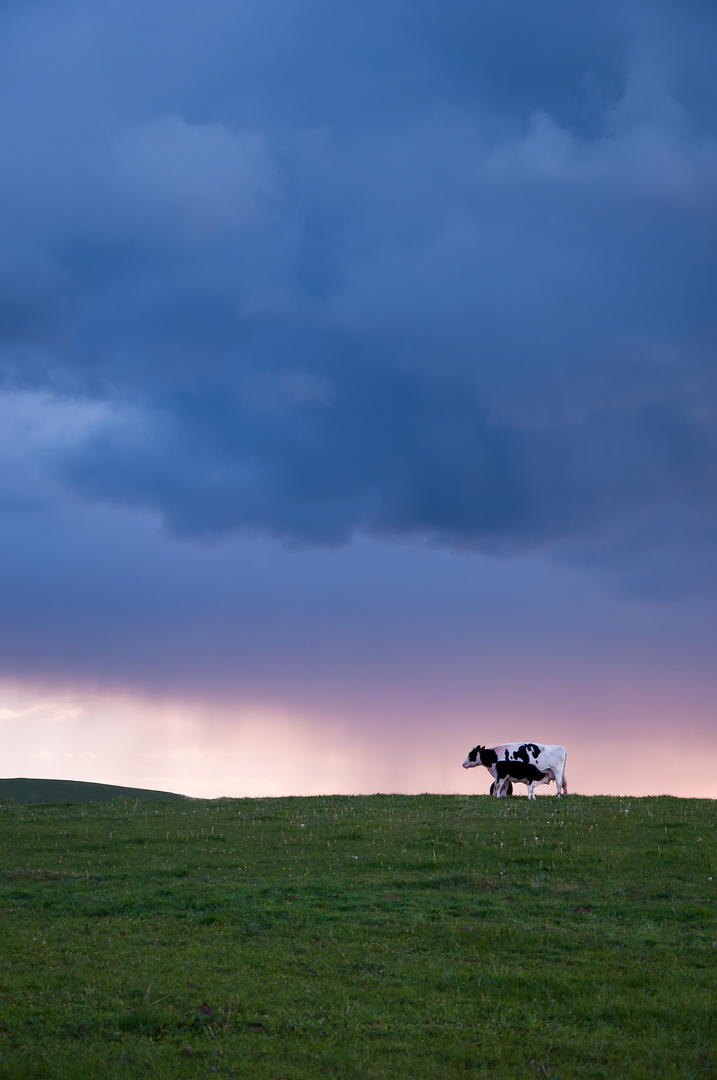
x=384 y=936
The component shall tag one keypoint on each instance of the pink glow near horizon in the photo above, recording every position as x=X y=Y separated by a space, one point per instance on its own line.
x=254 y=751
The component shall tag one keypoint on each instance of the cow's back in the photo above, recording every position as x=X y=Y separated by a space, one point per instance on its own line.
x=542 y=755
x=527 y=752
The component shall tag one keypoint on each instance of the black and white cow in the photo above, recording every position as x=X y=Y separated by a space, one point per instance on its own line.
x=527 y=763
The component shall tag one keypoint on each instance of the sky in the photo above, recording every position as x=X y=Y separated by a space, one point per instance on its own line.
x=358 y=392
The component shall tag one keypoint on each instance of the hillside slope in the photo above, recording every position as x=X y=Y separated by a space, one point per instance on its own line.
x=24 y=790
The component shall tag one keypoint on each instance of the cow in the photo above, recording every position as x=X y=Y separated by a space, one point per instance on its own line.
x=527 y=763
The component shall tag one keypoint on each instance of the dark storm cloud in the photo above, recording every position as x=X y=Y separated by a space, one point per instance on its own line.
x=322 y=268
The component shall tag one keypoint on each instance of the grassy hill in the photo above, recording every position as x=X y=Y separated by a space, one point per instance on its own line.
x=381 y=937
x=23 y=790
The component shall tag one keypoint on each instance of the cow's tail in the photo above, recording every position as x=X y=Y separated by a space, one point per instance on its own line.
x=565 y=778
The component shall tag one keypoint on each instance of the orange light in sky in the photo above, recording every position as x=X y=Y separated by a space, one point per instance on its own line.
x=242 y=750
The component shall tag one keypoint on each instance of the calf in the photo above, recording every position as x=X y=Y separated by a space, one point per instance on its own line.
x=526 y=763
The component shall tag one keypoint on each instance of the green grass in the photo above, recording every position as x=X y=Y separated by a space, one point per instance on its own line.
x=386 y=936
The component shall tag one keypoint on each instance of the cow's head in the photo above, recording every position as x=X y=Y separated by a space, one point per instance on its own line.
x=479 y=755
x=473 y=758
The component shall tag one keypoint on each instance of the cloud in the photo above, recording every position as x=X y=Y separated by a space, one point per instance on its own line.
x=199 y=177
x=420 y=272
x=649 y=162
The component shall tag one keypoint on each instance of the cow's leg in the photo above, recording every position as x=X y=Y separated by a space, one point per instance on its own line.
x=530 y=791
x=561 y=781
x=505 y=788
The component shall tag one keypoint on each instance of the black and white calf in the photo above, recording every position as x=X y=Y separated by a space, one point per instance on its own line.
x=527 y=763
